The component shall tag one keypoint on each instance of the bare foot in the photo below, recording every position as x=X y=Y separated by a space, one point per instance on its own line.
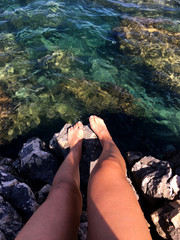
x=99 y=127
x=75 y=135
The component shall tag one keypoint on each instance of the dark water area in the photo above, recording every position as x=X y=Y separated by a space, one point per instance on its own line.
x=61 y=61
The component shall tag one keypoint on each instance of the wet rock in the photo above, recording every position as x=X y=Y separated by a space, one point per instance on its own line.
x=19 y=195
x=43 y=193
x=167 y=220
x=133 y=157
x=155 y=43
x=154 y=175
x=36 y=164
x=10 y=222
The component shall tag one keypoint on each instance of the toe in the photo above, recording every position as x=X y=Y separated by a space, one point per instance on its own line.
x=92 y=118
x=96 y=118
x=80 y=125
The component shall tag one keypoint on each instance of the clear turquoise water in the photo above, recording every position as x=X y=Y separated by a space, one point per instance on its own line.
x=55 y=54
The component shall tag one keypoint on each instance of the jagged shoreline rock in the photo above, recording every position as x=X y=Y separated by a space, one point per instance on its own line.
x=160 y=189
x=26 y=182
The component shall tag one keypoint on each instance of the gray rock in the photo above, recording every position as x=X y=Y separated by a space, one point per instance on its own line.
x=133 y=188
x=175 y=184
x=43 y=193
x=133 y=157
x=6 y=164
x=92 y=165
x=84 y=217
x=175 y=162
x=10 y=222
x=83 y=227
x=19 y=195
x=167 y=220
x=2 y=236
x=37 y=164
x=59 y=143
x=153 y=175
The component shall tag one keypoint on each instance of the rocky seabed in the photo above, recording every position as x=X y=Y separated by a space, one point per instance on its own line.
x=26 y=182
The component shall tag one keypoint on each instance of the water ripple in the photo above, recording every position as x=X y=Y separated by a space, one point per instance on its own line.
x=60 y=59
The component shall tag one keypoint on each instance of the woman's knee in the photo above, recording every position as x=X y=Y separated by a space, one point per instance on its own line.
x=67 y=188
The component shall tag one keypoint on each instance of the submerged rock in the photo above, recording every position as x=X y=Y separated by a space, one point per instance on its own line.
x=36 y=163
x=96 y=97
x=45 y=18
x=10 y=222
x=39 y=98
x=155 y=42
x=7 y=113
x=167 y=220
x=58 y=60
x=130 y=6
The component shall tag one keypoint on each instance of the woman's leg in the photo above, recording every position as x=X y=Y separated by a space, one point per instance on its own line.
x=59 y=216
x=113 y=210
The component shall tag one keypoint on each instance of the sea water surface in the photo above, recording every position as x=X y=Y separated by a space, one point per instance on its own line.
x=61 y=61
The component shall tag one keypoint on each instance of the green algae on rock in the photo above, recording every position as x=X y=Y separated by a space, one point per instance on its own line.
x=96 y=97
x=15 y=65
x=68 y=100
x=49 y=15
x=7 y=115
x=57 y=60
x=156 y=43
